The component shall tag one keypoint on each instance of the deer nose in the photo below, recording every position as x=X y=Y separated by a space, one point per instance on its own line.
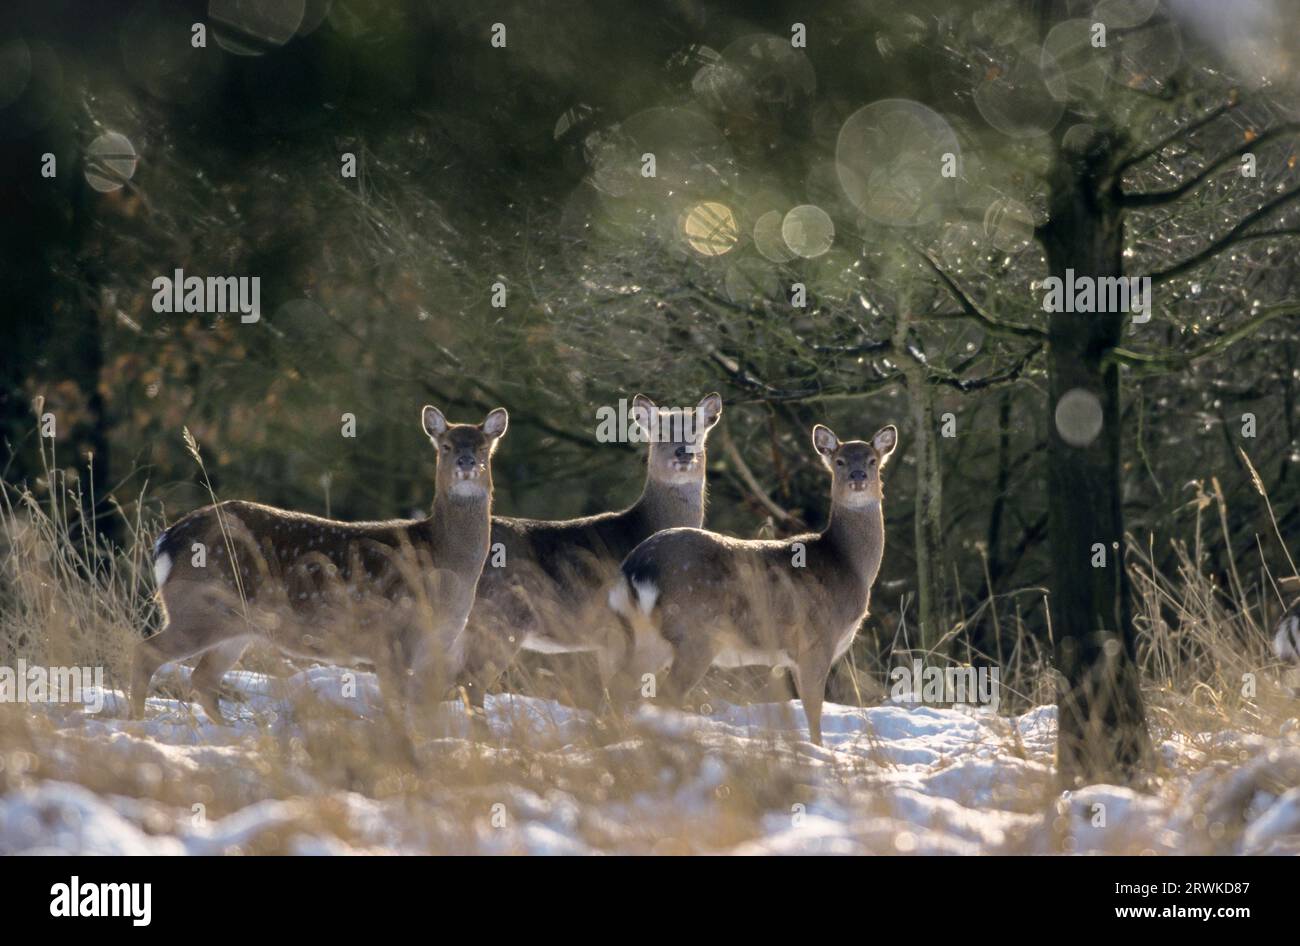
x=858 y=475
x=682 y=453
x=466 y=462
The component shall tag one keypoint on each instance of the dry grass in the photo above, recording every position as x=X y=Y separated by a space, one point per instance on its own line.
x=616 y=782
x=1204 y=647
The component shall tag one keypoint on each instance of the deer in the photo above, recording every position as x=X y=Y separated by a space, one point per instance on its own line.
x=704 y=600
x=393 y=594
x=545 y=594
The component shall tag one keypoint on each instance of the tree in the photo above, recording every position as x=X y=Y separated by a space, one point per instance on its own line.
x=857 y=230
x=1067 y=107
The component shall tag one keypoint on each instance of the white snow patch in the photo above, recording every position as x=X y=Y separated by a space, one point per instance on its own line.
x=893 y=778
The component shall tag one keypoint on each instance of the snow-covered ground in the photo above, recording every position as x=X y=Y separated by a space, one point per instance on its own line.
x=742 y=779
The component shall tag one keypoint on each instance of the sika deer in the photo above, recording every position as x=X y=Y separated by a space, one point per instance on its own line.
x=547 y=595
x=395 y=594
x=797 y=603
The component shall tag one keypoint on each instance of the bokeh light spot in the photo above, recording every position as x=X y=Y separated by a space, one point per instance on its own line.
x=1071 y=66
x=1013 y=95
x=1008 y=224
x=768 y=239
x=759 y=76
x=889 y=158
x=1078 y=417
x=710 y=228
x=1149 y=55
x=690 y=155
x=808 y=230
x=1124 y=13
x=110 y=162
x=253 y=27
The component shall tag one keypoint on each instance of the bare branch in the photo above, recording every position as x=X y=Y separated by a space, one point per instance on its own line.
x=1147 y=363
x=1158 y=198
x=973 y=312
x=520 y=413
x=861 y=348
x=1182 y=132
x=1011 y=375
x=1232 y=236
x=747 y=477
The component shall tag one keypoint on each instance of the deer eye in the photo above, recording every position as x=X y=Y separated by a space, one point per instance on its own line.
x=839 y=462
x=871 y=462
x=447 y=447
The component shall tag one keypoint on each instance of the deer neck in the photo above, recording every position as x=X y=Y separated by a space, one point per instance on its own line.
x=460 y=526
x=669 y=505
x=857 y=534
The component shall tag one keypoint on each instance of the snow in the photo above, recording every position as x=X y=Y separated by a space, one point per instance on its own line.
x=1277 y=830
x=743 y=779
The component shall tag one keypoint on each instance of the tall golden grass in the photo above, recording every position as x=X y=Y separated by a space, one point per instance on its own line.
x=67 y=598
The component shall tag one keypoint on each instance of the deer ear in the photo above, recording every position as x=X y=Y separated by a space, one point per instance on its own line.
x=495 y=424
x=709 y=410
x=824 y=440
x=885 y=440
x=643 y=412
x=435 y=425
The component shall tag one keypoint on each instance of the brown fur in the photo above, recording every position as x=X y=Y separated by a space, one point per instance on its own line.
x=550 y=589
x=395 y=594
x=714 y=599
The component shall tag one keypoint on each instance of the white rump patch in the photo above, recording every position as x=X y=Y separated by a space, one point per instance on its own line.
x=1286 y=643
x=647 y=593
x=162 y=567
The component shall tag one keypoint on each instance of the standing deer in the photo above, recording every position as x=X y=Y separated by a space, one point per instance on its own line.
x=395 y=594
x=547 y=595
x=797 y=603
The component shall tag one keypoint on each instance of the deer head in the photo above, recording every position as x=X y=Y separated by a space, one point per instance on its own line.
x=677 y=437
x=464 y=451
x=855 y=465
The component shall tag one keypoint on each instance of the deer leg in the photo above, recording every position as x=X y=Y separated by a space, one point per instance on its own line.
x=614 y=668
x=427 y=662
x=692 y=656
x=472 y=691
x=620 y=664
x=484 y=666
x=494 y=637
x=417 y=669
x=810 y=683
x=397 y=685
x=206 y=679
x=176 y=641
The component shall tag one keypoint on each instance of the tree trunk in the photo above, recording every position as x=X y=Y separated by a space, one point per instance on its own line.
x=928 y=504
x=998 y=511
x=1102 y=732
